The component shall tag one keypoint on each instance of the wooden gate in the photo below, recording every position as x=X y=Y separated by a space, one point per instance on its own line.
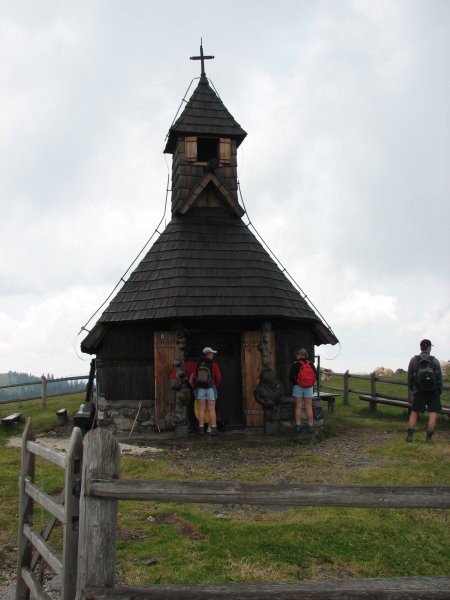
x=251 y=369
x=164 y=352
x=33 y=546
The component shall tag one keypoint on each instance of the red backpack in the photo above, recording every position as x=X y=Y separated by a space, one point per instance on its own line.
x=306 y=376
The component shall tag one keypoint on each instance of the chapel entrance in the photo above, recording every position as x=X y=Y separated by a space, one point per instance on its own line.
x=230 y=408
x=240 y=364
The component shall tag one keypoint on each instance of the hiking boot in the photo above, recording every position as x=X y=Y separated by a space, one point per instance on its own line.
x=429 y=438
x=213 y=430
x=201 y=430
x=208 y=430
x=409 y=437
x=311 y=429
x=298 y=428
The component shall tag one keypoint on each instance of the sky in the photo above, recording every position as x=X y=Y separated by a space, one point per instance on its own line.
x=344 y=172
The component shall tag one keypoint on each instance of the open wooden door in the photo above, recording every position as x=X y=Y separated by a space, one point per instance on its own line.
x=164 y=352
x=251 y=369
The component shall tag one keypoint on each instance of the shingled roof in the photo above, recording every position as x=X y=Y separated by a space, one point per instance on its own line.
x=204 y=114
x=209 y=267
x=207 y=264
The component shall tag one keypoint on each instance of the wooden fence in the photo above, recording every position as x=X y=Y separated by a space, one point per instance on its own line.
x=101 y=489
x=346 y=389
x=373 y=379
x=43 y=382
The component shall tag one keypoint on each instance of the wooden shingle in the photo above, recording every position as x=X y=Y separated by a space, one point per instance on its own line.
x=204 y=114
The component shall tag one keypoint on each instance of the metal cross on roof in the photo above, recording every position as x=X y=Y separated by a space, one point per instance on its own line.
x=202 y=57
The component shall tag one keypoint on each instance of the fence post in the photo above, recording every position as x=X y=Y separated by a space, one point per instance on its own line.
x=26 y=506
x=72 y=487
x=346 y=386
x=43 y=391
x=373 y=385
x=98 y=516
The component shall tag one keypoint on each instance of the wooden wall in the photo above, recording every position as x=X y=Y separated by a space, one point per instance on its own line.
x=125 y=363
x=186 y=174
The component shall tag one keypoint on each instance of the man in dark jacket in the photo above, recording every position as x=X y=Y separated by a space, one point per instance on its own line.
x=422 y=397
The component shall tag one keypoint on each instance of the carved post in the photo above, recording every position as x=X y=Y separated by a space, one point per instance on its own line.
x=180 y=385
x=269 y=390
x=180 y=347
x=265 y=346
x=346 y=386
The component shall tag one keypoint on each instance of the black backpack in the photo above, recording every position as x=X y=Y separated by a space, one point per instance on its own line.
x=203 y=378
x=425 y=374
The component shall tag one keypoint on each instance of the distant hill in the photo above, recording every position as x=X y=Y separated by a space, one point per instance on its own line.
x=13 y=377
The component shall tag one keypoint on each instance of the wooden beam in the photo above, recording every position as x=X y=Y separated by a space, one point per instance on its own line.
x=44 y=549
x=231 y=492
x=400 y=588
x=52 y=506
x=33 y=585
x=50 y=454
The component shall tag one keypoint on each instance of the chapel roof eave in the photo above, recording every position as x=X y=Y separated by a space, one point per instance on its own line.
x=213 y=268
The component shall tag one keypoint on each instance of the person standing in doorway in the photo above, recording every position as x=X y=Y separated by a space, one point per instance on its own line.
x=425 y=383
x=303 y=376
x=206 y=379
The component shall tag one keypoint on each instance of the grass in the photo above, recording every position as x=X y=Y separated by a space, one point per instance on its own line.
x=176 y=543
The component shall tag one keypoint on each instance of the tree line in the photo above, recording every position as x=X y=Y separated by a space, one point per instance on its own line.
x=58 y=387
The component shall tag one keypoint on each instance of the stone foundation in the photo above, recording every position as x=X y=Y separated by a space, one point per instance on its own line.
x=121 y=414
x=287 y=414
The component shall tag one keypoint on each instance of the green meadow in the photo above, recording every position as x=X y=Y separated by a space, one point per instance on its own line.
x=175 y=543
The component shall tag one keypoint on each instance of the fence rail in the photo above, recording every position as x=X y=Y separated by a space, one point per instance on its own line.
x=226 y=492
x=373 y=379
x=43 y=382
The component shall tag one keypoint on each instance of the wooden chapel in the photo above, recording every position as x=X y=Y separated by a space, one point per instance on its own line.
x=206 y=281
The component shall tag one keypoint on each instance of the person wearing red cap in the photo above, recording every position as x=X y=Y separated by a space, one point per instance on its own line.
x=425 y=383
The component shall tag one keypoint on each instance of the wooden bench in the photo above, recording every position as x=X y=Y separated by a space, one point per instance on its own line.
x=13 y=420
x=374 y=400
x=329 y=398
x=61 y=416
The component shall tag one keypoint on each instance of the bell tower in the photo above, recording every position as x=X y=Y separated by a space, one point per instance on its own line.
x=204 y=142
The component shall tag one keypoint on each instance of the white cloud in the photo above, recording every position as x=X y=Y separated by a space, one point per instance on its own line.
x=359 y=308
x=344 y=171
x=43 y=336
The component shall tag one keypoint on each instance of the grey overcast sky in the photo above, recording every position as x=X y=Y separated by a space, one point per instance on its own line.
x=345 y=170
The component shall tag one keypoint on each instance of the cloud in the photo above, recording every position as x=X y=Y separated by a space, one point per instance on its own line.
x=43 y=335
x=359 y=308
x=344 y=171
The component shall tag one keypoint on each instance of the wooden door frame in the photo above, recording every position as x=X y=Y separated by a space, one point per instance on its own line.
x=164 y=355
